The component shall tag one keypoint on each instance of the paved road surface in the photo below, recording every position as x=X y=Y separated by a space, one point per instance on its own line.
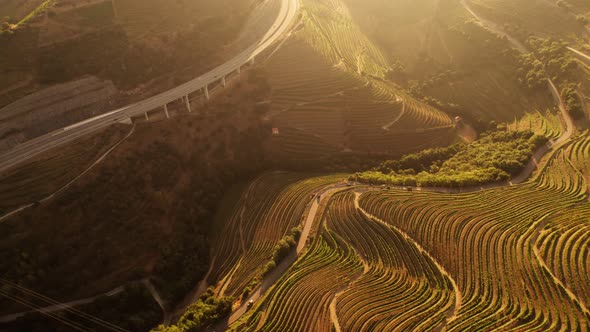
x=278 y=271
x=29 y=149
x=283 y=266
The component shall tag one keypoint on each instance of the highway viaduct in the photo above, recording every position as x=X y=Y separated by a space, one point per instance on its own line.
x=202 y=84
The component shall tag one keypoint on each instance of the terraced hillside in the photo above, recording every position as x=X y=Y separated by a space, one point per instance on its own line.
x=439 y=52
x=517 y=289
x=547 y=124
x=400 y=288
x=328 y=81
x=267 y=210
x=514 y=258
x=301 y=300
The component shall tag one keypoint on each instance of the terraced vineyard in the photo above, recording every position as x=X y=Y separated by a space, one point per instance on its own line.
x=272 y=205
x=301 y=300
x=514 y=258
x=547 y=124
x=400 y=288
x=360 y=274
x=338 y=95
x=566 y=237
x=475 y=247
x=496 y=244
x=332 y=32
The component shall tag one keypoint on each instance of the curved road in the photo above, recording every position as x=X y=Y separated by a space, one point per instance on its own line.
x=569 y=122
x=269 y=280
x=289 y=9
x=29 y=149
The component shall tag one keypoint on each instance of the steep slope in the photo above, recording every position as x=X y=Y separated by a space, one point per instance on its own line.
x=329 y=82
x=440 y=54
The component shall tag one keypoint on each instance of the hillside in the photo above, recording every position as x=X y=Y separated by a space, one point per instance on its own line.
x=339 y=94
x=152 y=45
x=363 y=83
x=440 y=54
x=143 y=212
x=440 y=274
x=16 y=10
x=381 y=166
x=545 y=18
x=78 y=60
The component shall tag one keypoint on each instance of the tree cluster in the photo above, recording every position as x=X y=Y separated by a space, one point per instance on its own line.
x=496 y=156
x=531 y=72
x=282 y=249
x=555 y=57
x=421 y=161
x=572 y=101
x=206 y=311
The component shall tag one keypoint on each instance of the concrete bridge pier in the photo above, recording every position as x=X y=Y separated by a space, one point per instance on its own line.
x=147 y=118
x=252 y=61
x=206 y=90
x=166 y=111
x=223 y=82
x=239 y=70
x=188 y=103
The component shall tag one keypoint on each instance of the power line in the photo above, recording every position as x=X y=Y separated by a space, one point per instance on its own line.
x=70 y=309
x=63 y=320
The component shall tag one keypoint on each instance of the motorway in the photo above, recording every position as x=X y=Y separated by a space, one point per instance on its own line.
x=34 y=147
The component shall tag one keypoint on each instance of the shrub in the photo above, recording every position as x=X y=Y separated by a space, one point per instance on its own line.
x=572 y=101
x=282 y=249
